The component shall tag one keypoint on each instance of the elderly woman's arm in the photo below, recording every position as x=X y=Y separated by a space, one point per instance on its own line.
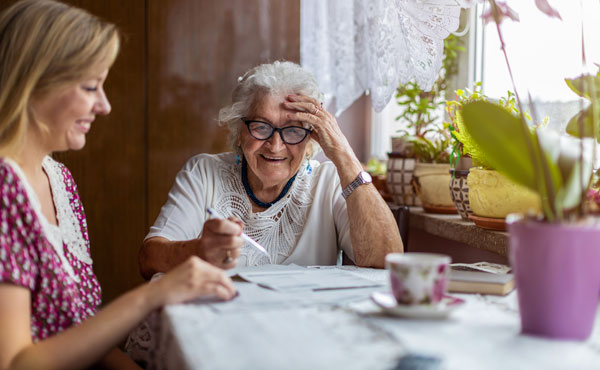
x=219 y=245
x=373 y=229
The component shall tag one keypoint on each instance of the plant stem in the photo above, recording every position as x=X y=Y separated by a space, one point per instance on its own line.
x=536 y=155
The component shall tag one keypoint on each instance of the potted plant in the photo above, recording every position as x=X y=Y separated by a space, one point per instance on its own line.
x=423 y=140
x=461 y=158
x=554 y=253
x=431 y=175
x=489 y=194
x=400 y=167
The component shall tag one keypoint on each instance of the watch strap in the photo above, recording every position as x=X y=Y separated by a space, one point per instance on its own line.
x=362 y=179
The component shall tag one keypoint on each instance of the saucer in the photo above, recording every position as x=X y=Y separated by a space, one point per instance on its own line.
x=388 y=303
x=490 y=223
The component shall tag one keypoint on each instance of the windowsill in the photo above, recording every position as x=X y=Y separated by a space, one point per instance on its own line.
x=454 y=228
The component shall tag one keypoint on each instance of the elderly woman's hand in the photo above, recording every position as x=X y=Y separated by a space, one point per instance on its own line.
x=326 y=130
x=220 y=242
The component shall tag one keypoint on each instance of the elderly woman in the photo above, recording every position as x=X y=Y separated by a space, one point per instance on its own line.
x=301 y=211
x=54 y=60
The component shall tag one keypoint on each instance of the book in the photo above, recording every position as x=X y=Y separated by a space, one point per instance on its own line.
x=494 y=268
x=480 y=282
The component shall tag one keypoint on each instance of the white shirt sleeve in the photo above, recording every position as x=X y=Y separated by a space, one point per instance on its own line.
x=342 y=222
x=182 y=216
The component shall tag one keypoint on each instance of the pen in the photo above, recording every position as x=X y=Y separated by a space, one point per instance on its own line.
x=212 y=212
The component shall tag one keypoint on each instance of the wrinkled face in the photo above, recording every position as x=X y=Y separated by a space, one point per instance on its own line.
x=68 y=113
x=271 y=162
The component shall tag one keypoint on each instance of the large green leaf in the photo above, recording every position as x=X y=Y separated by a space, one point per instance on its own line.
x=582 y=85
x=569 y=196
x=506 y=144
x=469 y=145
x=550 y=181
x=587 y=116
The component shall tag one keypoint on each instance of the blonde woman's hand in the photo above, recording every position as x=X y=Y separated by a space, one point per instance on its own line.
x=192 y=279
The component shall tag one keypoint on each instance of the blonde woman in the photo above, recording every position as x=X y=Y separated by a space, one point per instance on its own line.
x=54 y=60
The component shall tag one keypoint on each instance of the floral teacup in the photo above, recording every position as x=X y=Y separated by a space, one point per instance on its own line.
x=418 y=278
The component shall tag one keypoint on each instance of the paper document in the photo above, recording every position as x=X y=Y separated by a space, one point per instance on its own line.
x=255 y=298
x=307 y=279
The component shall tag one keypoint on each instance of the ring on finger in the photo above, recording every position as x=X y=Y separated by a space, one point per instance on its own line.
x=316 y=110
x=228 y=258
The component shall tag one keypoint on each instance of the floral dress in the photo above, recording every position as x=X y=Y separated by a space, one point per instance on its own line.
x=53 y=262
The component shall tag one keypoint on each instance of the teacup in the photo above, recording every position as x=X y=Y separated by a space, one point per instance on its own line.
x=418 y=278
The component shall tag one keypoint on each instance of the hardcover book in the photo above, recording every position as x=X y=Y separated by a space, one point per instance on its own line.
x=480 y=282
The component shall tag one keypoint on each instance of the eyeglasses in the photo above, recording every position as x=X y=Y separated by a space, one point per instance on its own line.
x=291 y=135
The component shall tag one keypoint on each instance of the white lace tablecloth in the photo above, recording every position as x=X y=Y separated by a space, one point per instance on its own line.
x=483 y=334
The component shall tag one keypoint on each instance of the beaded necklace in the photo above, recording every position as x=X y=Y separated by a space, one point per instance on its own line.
x=253 y=197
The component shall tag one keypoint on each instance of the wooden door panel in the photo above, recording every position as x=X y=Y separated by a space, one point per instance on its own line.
x=197 y=49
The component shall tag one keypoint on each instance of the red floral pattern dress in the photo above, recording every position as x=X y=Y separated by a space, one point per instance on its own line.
x=53 y=262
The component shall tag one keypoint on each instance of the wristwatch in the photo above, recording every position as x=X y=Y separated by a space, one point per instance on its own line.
x=362 y=179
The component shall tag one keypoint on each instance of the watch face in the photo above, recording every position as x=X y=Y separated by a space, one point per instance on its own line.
x=365 y=176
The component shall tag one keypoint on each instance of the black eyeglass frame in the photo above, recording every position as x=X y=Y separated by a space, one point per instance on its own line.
x=276 y=129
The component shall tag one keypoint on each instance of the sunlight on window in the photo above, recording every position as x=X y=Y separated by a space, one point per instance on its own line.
x=542 y=52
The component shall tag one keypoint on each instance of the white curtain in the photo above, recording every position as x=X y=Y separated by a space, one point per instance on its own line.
x=357 y=46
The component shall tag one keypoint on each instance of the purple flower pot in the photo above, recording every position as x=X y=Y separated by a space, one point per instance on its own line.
x=557 y=274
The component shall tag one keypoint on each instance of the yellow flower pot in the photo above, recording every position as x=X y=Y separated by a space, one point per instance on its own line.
x=431 y=184
x=493 y=195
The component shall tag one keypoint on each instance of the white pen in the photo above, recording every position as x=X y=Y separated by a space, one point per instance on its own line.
x=212 y=212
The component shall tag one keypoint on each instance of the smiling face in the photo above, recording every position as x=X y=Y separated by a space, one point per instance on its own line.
x=69 y=112
x=271 y=162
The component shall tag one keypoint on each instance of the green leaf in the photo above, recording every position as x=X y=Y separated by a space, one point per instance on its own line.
x=505 y=143
x=569 y=196
x=550 y=181
x=582 y=85
x=587 y=115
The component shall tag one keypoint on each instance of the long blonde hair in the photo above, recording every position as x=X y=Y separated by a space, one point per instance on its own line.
x=45 y=45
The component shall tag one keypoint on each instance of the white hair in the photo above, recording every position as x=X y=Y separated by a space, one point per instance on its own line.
x=280 y=77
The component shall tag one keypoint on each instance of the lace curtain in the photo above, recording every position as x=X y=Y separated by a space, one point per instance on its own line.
x=357 y=46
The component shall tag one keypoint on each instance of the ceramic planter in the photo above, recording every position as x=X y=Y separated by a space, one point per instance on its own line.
x=493 y=195
x=399 y=180
x=431 y=184
x=557 y=277
x=379 y=181
x=459 y=192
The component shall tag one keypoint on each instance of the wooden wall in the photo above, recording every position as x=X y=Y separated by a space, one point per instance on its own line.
x=179 y=62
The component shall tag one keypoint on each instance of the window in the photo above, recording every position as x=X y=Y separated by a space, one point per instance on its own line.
x=542 y=52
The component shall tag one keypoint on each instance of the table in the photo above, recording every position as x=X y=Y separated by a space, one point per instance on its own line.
x=350 y=334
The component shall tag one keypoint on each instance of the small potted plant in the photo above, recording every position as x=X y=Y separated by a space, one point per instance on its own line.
x=423 y=140
x=490 y=195
x=400 y=167
x=463 y=148
x=431 y=176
